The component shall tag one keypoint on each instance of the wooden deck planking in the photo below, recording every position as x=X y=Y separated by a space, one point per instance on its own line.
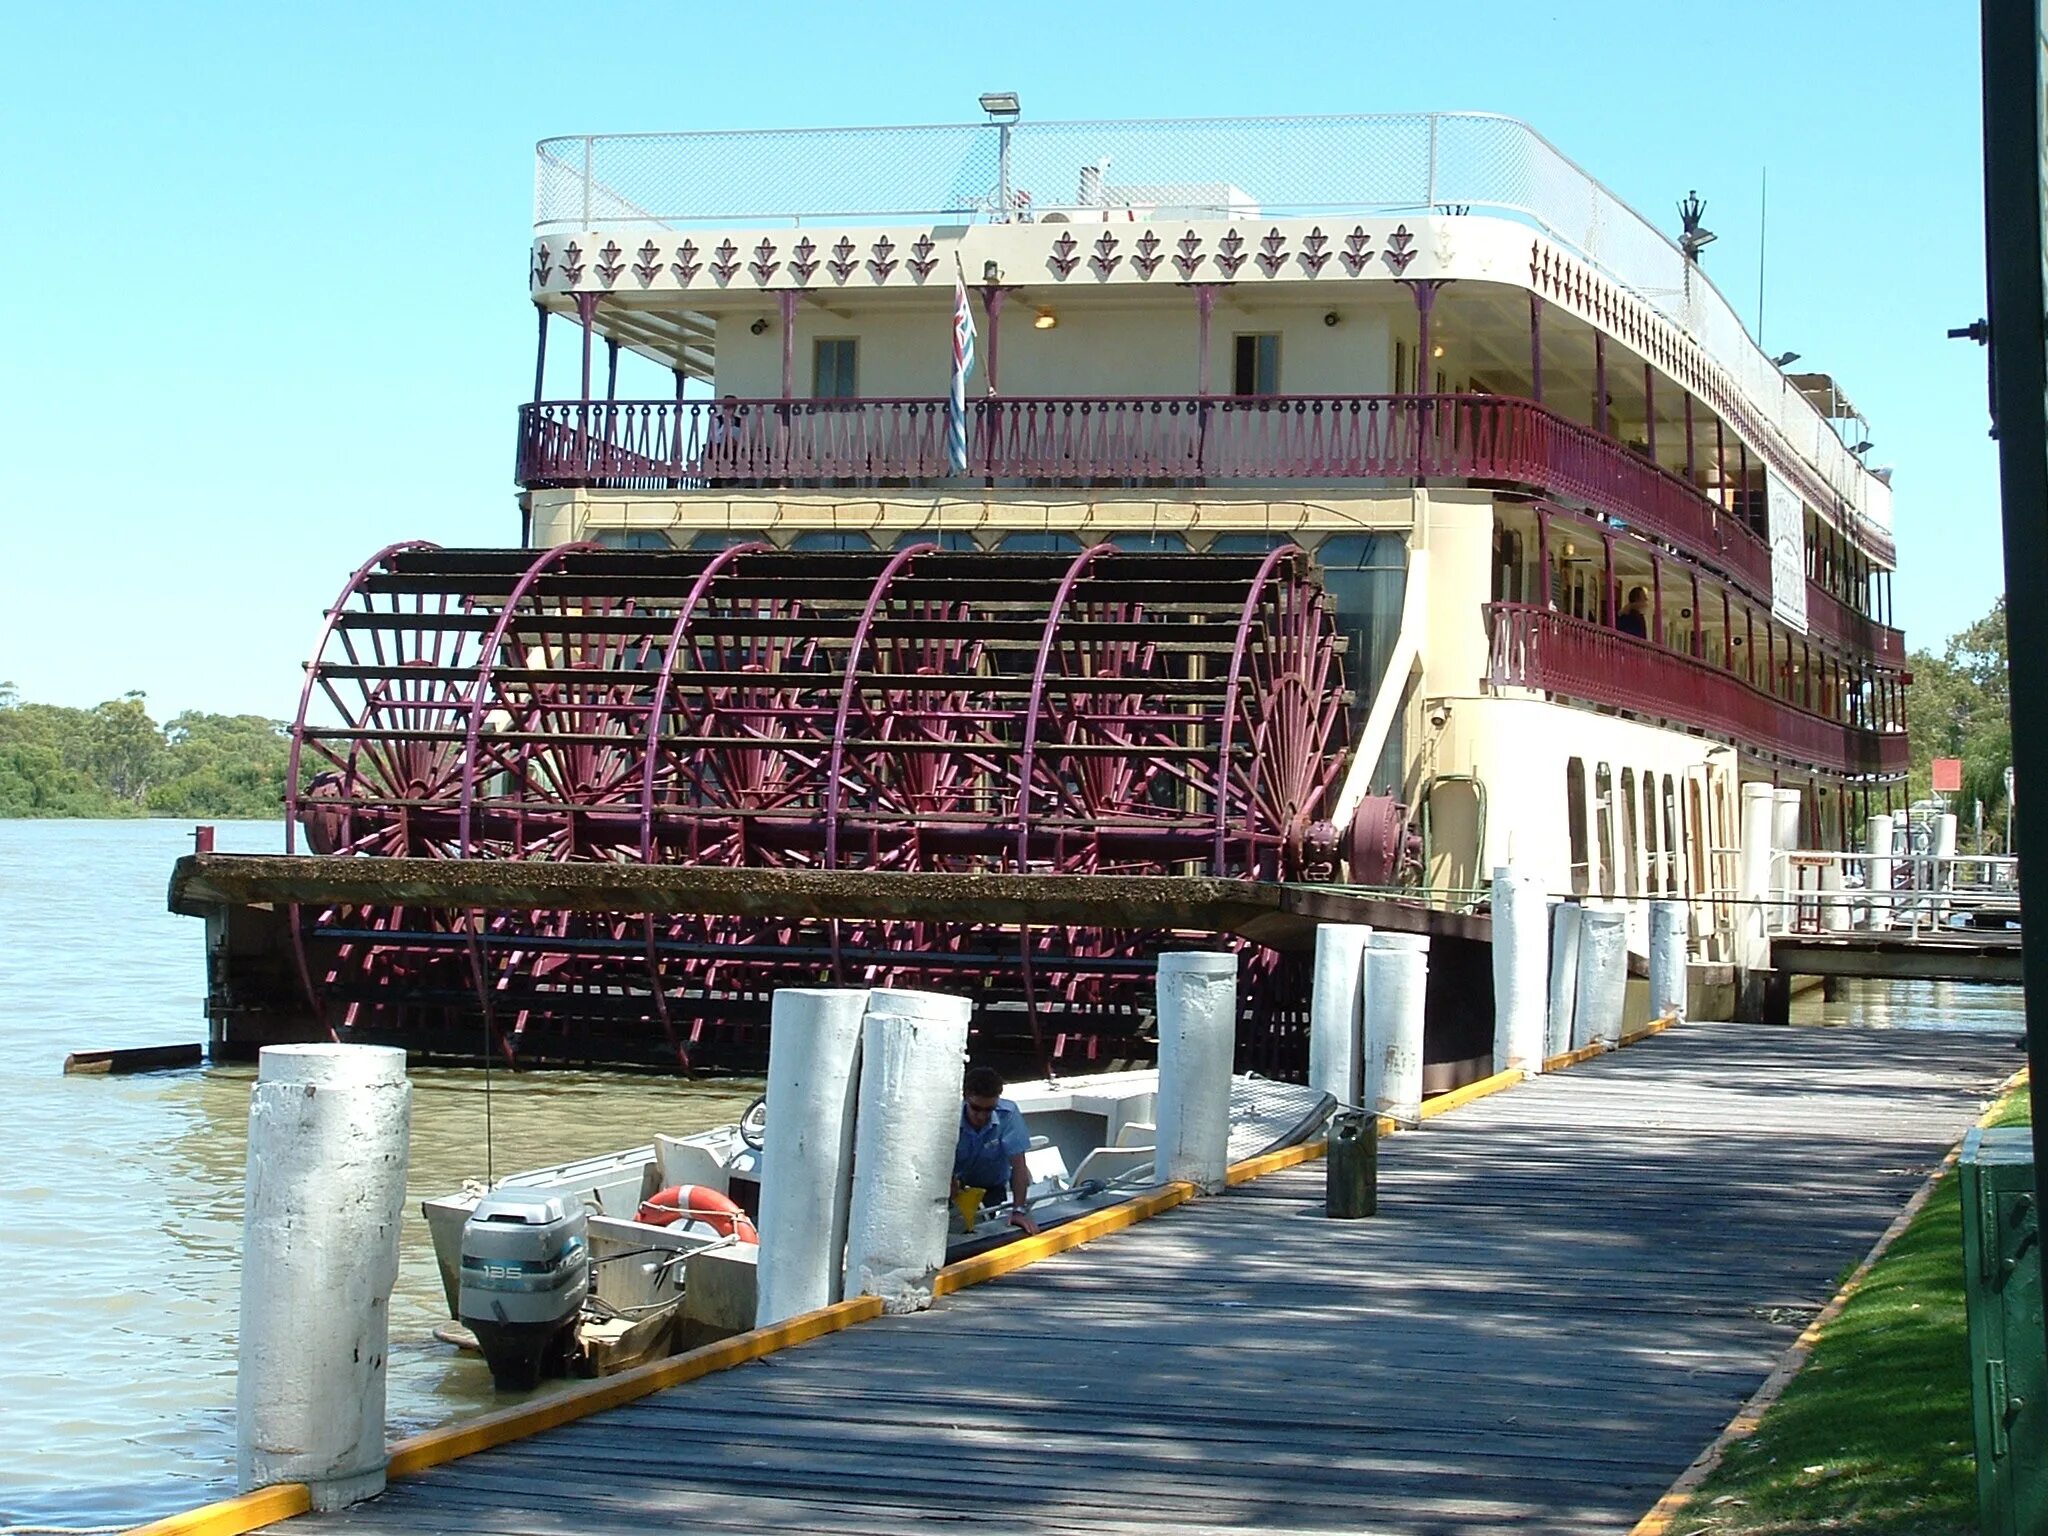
x=1572 y=1286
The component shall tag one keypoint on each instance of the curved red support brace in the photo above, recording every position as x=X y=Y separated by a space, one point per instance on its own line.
x=486 y=663
x=1230 y=696
x=659 y=707
x=849 y=685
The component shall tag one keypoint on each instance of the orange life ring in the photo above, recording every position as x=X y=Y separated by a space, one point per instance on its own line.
x=694 y=1202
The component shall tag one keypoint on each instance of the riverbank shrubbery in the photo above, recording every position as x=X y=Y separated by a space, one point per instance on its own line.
x=114 y=760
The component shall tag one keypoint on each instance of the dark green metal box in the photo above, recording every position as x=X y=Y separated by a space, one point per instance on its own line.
x=2008 y=1354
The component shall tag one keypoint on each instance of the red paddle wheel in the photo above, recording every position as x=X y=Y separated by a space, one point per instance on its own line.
x=926 y=711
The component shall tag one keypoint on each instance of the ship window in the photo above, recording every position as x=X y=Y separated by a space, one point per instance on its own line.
x=1653 y=848
x=631 y=538
x=1603 y=818
x=831 y=539
x=720 y=538
x=1575 y=820
x=1257 y=369
x=834 y=366
x=1149 y=543
x=951 y=540
x=1631 y=850
x=1674 y=848
x=1040 y=543
x=1247 y=543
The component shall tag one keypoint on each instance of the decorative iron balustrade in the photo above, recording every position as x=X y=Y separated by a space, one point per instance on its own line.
x=1129 y=440
x=1592 y=664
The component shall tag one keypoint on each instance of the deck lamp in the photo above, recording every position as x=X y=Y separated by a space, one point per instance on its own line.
x=999 y=103
x=1784 y=359
x=1863 y=447
x=1002 y=108
x=1694 y=237
x=1044 y=320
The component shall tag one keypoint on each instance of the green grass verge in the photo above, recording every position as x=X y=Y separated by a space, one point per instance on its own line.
x=1873 y=1435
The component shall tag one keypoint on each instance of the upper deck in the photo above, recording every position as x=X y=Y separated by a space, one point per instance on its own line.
x=684 y=234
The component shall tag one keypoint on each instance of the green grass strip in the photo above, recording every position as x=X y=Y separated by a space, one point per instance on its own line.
x=1873 y=1436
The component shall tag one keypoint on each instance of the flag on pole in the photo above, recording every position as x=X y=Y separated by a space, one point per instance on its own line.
x=963 y=364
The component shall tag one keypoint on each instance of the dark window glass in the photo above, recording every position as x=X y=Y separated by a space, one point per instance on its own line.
x=833 y=368
x=831 y=538
x=1257 y=366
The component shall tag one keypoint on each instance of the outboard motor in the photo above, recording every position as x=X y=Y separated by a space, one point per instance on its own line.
x=525 y=1271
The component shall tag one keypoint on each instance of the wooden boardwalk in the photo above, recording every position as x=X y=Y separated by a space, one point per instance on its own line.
x=1572 y=1287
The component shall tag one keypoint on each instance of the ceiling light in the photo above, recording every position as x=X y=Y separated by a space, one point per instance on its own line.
x=1437 y=350
x=1044 y=320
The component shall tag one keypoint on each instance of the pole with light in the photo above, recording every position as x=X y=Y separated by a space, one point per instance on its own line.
x=1003 y=111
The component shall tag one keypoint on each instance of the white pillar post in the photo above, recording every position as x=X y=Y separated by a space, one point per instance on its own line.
x=1603 y=977
x=1752 y=913
x=1564 y=977
x=1834 y=901
x=1197 y=1008
x=1785 y=842
x=905 y=1128
x=1877 y=870
x=807 y=1151
x=329 y=1131
x=1336 y=1011
x=1944 y=869
x=1521 y=970
x=1668 y=949
x=1396 y=987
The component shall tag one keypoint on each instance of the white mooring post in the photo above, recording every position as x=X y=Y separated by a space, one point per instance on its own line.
x=1396 y=990
x=1752 y=909
x=1834 y=899
x=1668 y=946
x=1197 y=1008
x=1336 y=1011
x=1521 y=970
x=1564 y=977
x=1785 y=819
x=329 y=1130
x=1877 y=870
x=1603 y=976
x=1943 y=867
x=912 y=1056
x=807 y=1151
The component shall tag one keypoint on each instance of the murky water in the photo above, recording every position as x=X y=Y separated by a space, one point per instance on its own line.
x=121 y=1206
x=120 y=1215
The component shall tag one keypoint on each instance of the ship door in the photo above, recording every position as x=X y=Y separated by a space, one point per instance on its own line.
x=1454 y=835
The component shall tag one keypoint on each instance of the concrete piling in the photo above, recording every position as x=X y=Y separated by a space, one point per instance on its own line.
x=1521 y=964
x=1668 y=948
x=1197 y=1008
x=1603 y=977
x=807 y=1153
x=1877 y=870
x=912 y=1054
x=1336 y=1011
x=1396 y=985
x=329 y=1135
x=1564 y=977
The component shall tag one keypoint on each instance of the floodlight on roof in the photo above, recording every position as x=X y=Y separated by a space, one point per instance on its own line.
x=1784 y=358
x=1863 y=447
x=1000 y=103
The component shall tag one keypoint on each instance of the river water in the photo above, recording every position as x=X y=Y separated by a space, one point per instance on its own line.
x=120 y=1216
x=121 y=1208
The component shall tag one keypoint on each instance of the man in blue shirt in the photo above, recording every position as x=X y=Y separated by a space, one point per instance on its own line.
x=992 y=1144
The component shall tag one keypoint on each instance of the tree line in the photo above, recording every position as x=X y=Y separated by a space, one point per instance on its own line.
x=114 y=760
x=1960 y=705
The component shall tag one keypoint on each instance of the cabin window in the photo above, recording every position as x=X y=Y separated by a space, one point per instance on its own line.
x=631 y=538
x=1575 y=821
x=1165 y=543
x=1603 y=815
x=1040 y=542
x=1674 y=849
x=835 y=365
x=1652 y=847
x=832 y=539
x=1257 y=367
x=1631 y=849
x=951 y=540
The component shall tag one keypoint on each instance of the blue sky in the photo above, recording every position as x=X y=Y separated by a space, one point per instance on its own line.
x=236 y=361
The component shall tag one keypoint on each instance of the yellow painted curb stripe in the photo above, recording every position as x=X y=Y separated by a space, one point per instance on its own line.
x=233 y=1517
x=1444 y=1103
x=1029 y=1250
x=1272 y=1162
x=446 y=1444
x=1596 y=1050
x=1659 y=1520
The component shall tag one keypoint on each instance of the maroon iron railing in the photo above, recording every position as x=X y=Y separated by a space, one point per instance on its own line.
x=1829 y=616
x=1130 y=439
x=1536 y=648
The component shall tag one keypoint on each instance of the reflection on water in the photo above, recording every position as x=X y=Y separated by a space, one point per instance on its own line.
x=121 y=1214
x=1913 y=1005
